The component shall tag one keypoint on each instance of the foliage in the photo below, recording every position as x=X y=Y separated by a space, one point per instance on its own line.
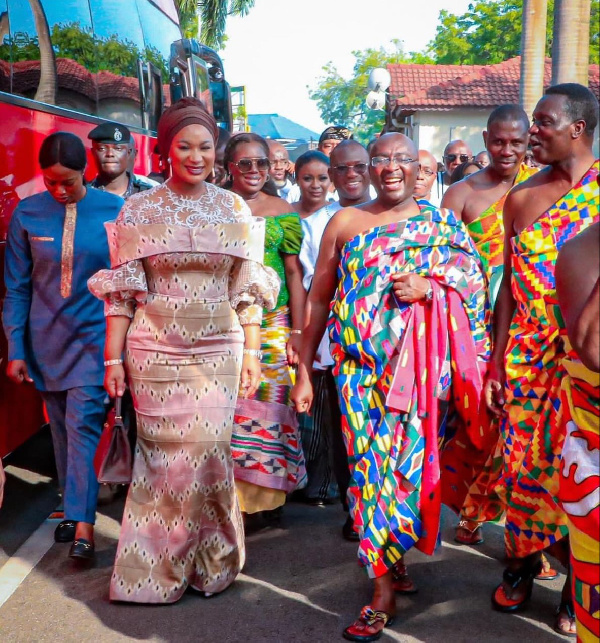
x=212 y=17
x=490 y=32
x=342 y=101
x=78 y=43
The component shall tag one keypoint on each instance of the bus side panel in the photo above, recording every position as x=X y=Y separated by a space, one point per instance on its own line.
x=21 y=135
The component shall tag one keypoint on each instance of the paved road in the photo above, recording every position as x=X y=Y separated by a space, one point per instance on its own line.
x=301 y=583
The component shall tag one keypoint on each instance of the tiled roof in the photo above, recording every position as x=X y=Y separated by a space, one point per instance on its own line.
x=442 y=87
x=279 y=127
x=74 y=77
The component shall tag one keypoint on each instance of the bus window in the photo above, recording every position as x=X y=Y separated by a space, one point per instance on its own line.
x=159 y=33
x=120 y=46
x=4 y=48
x=53 y=50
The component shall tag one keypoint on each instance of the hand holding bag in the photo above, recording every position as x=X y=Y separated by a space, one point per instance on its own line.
x=113 y=460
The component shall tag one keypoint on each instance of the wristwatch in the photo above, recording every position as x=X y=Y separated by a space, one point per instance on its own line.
x=255 y=352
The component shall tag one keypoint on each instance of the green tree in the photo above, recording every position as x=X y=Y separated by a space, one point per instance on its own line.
x=212 y=16
x=341 y=101
x=490 y=32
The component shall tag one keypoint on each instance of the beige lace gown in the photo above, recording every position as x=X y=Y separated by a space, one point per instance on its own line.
x=189 y=273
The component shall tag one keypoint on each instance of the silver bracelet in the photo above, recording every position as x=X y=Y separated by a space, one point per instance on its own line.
x=255 y=352
x=295 y=331
x=113 y=362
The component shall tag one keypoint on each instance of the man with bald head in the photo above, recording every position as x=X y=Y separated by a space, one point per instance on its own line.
x=279 y=171
x=392 y=266
x=424 y=187
x=455 y=153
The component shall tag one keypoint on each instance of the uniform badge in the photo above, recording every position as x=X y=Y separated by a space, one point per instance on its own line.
x=117 y=135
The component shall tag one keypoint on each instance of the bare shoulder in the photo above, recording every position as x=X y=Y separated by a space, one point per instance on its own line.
x=534 y=182
x=455 y=196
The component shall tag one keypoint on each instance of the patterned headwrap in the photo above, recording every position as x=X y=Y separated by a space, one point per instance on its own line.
x=336 y=132
x=187 y=111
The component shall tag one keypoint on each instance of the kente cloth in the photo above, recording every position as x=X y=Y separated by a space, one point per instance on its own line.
x=392 y=444
x=265 y=445
x=189 y=272
x=580 y=490
x=521 y=475
x=50 y=318
x=487 y=232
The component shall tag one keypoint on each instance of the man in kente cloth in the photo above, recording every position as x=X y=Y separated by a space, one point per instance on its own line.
x=525 y=373
x=578 y=293
x=478 y=201
x=408 y=336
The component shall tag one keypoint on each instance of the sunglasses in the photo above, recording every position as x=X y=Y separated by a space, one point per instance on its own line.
x=361 y=168
x=385 y=161
x=246 y=165
x=462 y=157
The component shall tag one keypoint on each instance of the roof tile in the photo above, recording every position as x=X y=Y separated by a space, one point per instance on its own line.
x=441 y=87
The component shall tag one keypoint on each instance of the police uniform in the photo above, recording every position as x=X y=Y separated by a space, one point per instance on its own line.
x=117 y=134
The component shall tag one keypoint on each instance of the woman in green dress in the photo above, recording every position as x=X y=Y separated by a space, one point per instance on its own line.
x=265 y=445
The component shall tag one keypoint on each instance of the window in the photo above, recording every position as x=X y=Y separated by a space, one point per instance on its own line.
x=120 y=45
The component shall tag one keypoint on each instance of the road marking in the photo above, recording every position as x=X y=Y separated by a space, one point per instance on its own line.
x=23 y=561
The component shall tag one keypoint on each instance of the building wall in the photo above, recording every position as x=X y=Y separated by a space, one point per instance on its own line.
x=434 y=130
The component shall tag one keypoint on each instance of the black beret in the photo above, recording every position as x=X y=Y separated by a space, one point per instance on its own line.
x=110 y=133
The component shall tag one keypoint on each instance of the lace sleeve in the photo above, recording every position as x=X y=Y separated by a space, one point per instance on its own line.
x=252 y=287
x=120 y=288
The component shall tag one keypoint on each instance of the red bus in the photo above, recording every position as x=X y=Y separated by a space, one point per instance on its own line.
x=69 y=65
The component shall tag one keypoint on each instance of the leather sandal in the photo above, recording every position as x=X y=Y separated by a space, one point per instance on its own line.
x=467 y=536
x=565 y=607
x=515 y=579
x=368 y=618
x=403 y=583
x=547 y=573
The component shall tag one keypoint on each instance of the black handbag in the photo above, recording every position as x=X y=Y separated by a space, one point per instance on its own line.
x=113 y=459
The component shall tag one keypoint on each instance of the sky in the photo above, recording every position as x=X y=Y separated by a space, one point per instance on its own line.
x=280 y=47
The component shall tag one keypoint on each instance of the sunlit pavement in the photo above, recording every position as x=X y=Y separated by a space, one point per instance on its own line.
x=301 y=582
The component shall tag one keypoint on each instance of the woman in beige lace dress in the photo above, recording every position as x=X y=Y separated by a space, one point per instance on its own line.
x=184 y=303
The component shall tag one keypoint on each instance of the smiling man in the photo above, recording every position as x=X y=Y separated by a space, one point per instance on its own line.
x=391 y=266
x=478 y=200
x=526 y=371
x=321 y=432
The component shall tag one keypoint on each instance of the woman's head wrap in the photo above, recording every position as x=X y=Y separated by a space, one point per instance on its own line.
x=187 y=111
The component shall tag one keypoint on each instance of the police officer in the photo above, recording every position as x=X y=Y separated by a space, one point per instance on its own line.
x=113 y=151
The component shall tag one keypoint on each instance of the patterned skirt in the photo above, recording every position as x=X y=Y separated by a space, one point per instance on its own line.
x=181 y=524
x=265 y=445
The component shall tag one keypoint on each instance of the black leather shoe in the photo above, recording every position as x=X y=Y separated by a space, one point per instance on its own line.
x=348 y=531
x=65 y=531
x=83 y=549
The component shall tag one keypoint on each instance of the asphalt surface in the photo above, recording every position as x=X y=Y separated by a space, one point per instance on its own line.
x=301 y=582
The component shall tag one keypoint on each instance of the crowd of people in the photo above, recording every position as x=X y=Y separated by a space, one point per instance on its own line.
x=360 y=324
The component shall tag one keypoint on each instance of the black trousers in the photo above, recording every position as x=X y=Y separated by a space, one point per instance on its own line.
x=323 y=443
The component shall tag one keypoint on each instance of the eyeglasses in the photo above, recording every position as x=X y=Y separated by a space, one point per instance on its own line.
x=361 y=168
x=427 y=172
x=246 y=165
x=462 y=157
x=385 y=161
x=280 y=163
